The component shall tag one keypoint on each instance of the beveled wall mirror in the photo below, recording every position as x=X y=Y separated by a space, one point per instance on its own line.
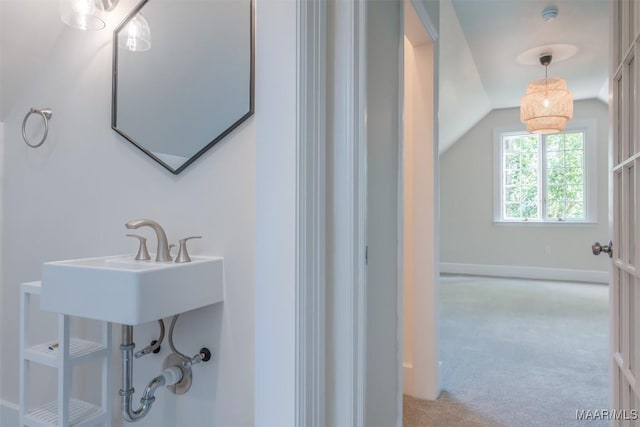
x=183 y=76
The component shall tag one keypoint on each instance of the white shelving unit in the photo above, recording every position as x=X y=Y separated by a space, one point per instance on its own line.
x=70 y=352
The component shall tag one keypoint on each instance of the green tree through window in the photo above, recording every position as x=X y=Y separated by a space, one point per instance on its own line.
x=543 y=176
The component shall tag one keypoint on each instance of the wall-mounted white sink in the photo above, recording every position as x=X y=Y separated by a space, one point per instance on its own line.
x=122 y=290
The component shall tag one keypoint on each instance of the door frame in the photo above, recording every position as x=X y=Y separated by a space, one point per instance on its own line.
x=346 y=197
x=290 y=292
x=425 y=364
x=310 y=405
x=311 y=198
x=310 y=221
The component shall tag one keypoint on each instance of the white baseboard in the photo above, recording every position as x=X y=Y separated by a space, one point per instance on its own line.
x=591 y=276
x=407 y=381
x=9 y=413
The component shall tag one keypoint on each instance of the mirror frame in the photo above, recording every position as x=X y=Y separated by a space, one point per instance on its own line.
x=221 y=136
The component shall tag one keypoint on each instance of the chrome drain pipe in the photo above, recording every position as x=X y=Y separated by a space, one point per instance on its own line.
x=170 y=376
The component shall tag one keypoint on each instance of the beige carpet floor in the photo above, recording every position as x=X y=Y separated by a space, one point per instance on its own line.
x=446 y=411
x=518 y=353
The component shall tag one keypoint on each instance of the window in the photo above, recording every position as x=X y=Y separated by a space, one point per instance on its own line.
x=546 y=178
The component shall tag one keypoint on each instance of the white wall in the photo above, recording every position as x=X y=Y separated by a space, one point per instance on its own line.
x=469 y=235
x=24 y=47
x=275 y=294
x=463 y=100
x=71 y=198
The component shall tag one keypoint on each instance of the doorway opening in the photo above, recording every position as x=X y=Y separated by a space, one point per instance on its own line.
x=419 y=218
x=423 y=377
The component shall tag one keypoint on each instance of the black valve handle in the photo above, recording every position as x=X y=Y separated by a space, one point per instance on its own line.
x=205 y=354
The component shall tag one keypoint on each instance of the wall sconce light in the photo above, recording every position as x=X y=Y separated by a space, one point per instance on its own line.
x=136 y=35
x=85 y=14
x=548 y=103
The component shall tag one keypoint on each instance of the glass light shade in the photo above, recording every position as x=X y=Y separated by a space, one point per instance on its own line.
x=82 y=14
x=136 y=36
x=547 y=106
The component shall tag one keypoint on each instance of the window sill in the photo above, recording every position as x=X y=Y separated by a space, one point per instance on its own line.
x=590 y=224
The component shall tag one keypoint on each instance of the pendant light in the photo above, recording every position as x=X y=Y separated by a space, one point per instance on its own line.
x=136 y=35
x=85 y=14
x=548 y=103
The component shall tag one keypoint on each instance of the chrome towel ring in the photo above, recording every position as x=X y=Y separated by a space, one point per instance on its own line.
x=46 y=114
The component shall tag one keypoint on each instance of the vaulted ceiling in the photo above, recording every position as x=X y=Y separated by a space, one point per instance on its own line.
x=480 y=46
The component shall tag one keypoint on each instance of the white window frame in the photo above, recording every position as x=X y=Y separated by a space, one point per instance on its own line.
x=590 y=173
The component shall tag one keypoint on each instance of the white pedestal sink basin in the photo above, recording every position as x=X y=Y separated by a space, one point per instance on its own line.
x=122 y=290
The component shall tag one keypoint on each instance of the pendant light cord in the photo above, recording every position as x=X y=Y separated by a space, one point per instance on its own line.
x=546 y=80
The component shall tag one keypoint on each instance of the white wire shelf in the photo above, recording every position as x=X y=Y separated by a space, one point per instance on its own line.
x=79 y=351
x=81 y=413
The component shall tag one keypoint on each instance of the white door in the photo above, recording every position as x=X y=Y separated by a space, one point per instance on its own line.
x=624 y=303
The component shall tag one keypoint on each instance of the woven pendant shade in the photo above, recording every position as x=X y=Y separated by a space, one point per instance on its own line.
x=547 y=106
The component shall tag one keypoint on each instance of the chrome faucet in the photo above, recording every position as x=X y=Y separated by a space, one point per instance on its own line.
x=162 y=254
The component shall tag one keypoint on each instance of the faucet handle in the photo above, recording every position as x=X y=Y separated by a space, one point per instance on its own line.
x=143 y=253
x=183 y=254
